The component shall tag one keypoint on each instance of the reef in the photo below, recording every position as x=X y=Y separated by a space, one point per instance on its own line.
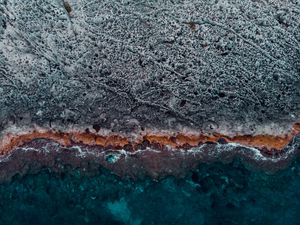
x=214 y=193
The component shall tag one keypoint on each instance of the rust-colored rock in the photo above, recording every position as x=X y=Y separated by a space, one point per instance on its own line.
x=176 y=141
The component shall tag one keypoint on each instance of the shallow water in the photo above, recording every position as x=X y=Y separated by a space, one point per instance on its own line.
x=212 y=194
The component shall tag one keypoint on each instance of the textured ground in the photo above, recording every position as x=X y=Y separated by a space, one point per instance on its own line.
x=126 y=65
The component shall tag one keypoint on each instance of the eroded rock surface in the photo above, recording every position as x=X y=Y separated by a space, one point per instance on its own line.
x=127 y=65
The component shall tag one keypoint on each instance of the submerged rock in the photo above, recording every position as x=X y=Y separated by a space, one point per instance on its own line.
x=211 y=194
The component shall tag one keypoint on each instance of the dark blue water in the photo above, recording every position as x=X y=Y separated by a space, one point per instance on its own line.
x=214 y=194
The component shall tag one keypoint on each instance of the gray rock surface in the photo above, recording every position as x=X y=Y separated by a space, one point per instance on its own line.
x=124 y=63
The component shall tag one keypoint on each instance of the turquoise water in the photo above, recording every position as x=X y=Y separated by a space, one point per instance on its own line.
x=214 y=194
